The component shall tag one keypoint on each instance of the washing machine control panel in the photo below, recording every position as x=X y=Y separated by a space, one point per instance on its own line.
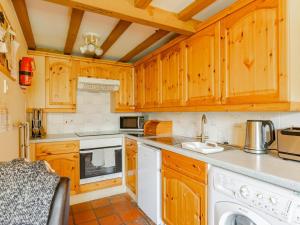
x=278 y=202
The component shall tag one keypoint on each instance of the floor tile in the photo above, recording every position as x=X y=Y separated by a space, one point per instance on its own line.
x=140 y=221
x=81 y=207
x=123 y=206
x=84 y=216
x=131 y=215
x=104 y=211
x=100 y=203
x=111 y=220
x=119 y=198
x=92 y=222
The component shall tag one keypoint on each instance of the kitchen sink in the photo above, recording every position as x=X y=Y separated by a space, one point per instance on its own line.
x=202 y=147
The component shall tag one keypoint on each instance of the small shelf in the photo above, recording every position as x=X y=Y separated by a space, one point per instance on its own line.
x=6 y=73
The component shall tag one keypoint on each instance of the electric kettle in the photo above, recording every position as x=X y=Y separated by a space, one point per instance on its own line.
x=256 y=136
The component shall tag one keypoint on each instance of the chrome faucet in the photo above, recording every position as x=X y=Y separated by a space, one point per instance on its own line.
x=203 y=137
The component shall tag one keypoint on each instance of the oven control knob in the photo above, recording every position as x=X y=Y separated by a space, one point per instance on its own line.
x=259 y=195
x=273 y=200
x=244 y=191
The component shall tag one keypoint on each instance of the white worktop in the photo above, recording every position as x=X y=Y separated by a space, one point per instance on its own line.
x=269 y=167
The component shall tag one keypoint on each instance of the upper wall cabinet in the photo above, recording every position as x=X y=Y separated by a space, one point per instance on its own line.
x=123 y=99
x=61 y=83
x=201 y=79
x=251 y=52
x=139 y=86
x=54 y=85
x=151 y=83
x=171 y=71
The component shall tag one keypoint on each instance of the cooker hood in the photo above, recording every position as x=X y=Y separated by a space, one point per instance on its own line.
x=97 y=84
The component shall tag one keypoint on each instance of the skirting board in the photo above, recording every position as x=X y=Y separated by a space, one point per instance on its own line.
x=89 y=196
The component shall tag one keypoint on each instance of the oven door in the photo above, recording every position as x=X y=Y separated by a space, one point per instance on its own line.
x=99 y=164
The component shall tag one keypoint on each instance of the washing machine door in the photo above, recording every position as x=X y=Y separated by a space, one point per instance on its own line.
x=229 y=213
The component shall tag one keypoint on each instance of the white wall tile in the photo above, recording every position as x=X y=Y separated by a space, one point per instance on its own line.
x=93 y=114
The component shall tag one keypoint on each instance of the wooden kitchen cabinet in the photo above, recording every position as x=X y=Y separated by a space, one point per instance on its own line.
x=61 y=80
x=252 y=54
x=131 y=164
x=139 y=86
x=184 y=197
x=171 y=68
x=151 y=83
x=123 y=100
x=63 y=157
x=201 y=79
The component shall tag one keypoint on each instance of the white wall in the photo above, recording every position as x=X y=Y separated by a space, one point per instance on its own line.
x=93 y=114
x=223 y=126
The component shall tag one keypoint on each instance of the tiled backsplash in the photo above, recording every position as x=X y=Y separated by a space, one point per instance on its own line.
x=224 y=126
x=93 y=114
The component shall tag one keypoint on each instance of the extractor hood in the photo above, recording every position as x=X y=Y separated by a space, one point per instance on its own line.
x=97 y=84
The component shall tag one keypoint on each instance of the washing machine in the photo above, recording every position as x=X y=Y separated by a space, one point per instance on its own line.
x=235 y=199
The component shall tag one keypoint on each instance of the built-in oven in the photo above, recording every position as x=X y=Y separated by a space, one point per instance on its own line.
x=132 y=123
x=100 y=159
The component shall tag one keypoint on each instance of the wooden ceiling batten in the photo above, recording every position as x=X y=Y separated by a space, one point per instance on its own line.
x=145 y=44
x=118 y=30
x=75 y=21
x=142 y=3
x=125 y=10
x=22 y=14
x=194 y=8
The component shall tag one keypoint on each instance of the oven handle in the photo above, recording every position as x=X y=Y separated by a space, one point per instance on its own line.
x=83 y=151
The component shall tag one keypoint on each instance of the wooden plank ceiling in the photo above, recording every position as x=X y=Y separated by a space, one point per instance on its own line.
x=128 y=12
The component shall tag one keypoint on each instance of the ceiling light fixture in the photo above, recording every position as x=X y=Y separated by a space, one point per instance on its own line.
x=91 y=45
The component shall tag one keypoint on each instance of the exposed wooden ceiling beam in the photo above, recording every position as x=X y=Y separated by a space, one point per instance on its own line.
x=76 y=18
x=194 y=8
x=115 y=34
x=145 y=44
x=125 y=10
x=22 y=13
x=142 y=3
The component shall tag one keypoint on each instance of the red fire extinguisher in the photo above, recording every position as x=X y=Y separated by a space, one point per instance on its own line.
x=26 y=71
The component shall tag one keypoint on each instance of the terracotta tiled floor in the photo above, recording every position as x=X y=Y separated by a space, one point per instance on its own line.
x=115 y=210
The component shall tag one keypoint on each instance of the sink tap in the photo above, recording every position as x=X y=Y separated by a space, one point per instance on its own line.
x=203 y=136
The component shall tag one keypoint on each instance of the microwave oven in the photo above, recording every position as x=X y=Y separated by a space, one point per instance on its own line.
x=135 y=123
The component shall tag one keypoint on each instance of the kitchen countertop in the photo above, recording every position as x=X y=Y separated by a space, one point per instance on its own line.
x=269 y=167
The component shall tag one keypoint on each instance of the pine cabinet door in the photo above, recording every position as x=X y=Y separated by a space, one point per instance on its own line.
x=123 y=99
x=170 y=197
x=184 y=199
x=251 y=54
x=131 y=165
x=139 y=86
x=66 y=165
x=61 y=83
x=171 y=68
x=201 y=79
x=151 y=82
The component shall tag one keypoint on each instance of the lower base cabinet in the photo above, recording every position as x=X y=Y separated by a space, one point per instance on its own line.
x=184 y=198
x=131 y=164
x=63 y=157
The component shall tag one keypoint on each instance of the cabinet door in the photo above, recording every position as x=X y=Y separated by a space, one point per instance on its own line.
x=184 y=199
x=123 y=99
x=201 y=80
x=251 y=56
x=66 y=165
x=60 y=83
x=151 y=77
x=171 y=67
x=131 y=164
x=139 y=86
